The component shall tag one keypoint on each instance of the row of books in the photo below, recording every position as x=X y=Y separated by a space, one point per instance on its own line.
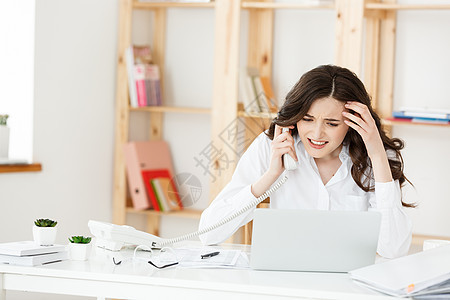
x=149 y=170
x=27 y=253
x=161 y=190
x=144 y=83
x=256 y=92
x=423 y=115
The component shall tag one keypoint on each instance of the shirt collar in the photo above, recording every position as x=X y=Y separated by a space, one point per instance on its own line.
x=344 y=155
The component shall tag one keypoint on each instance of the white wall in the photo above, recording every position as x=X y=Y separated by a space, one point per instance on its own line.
x=74 y=107
x=75 y=72
x=75 y=62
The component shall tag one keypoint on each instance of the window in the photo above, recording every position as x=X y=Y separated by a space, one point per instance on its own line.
x=17 y=28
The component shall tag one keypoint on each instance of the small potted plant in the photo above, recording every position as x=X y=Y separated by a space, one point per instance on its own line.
x=4 y=136
x=79 y=247
x=44 y=232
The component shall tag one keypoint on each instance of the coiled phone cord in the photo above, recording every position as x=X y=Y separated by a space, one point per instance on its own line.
x=225 y=220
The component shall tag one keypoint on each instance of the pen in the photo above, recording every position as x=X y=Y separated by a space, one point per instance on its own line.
x=210 y=255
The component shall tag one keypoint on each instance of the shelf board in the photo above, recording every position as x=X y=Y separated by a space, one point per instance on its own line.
x=34 y=167
x=275 y=5
x=418 y=239
x=245 y=4
x=153 y=5
x=174 y=109
x=256 y=115
x=384 y=6
x=391 y=121
x=185 y=213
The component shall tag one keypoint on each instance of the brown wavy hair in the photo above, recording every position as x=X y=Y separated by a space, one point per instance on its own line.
x=342 y=85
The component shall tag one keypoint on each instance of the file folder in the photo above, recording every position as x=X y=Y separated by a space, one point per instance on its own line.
x=139 y=156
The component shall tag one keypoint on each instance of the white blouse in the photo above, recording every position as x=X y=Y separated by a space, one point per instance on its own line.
x=305 y=190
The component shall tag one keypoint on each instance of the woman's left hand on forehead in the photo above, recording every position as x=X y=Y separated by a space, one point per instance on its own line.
x=365 y=125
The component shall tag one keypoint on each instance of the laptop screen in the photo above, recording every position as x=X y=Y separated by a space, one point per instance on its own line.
x=314 y=240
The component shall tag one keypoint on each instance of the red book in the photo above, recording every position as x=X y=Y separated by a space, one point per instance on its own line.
x=174 y=197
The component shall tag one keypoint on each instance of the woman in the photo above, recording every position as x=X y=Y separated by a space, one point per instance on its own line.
x=345 y=161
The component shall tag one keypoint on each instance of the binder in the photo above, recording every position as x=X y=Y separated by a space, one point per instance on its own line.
x=139 y=156
x=423 y=273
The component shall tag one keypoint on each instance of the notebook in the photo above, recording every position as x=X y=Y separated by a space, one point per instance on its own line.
x=24 y=248
x=314 y=240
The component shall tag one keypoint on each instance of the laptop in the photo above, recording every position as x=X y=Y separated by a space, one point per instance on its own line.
x=314 y=240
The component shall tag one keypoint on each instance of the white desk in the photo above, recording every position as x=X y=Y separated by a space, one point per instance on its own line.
x=100 y=278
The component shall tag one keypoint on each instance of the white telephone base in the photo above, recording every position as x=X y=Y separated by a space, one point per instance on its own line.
x=113 y=237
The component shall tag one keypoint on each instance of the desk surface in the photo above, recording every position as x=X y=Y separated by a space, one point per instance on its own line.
x=99 y=277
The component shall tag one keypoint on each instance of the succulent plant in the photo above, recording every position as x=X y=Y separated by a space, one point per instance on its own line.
x=80 y=239
x=3 y=119
x=45 y=223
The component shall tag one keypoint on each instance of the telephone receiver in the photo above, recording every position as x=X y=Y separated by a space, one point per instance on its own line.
x=113 y=237
x=288 y=161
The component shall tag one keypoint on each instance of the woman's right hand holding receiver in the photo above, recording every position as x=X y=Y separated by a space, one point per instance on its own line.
x=282 y=143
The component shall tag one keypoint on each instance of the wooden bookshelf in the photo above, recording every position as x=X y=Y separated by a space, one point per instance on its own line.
x=34 y=167
x=121 y=206
x=380 y=38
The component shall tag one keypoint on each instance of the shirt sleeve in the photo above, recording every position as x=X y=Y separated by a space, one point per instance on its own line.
x=236 y=194
x=396 y=226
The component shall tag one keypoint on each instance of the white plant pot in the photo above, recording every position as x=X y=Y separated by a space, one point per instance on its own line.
x=44 y=236
x=4 y=141
x=79 y=251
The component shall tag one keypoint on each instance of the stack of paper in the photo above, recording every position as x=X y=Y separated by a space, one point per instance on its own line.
x=192 y=258
x=424 y=275
x=27 y=253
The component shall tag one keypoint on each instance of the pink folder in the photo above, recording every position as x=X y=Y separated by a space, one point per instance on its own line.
x=148 y=155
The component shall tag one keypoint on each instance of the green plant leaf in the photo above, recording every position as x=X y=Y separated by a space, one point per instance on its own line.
x=45 y=223
x=79 y=239
x=3 y=119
